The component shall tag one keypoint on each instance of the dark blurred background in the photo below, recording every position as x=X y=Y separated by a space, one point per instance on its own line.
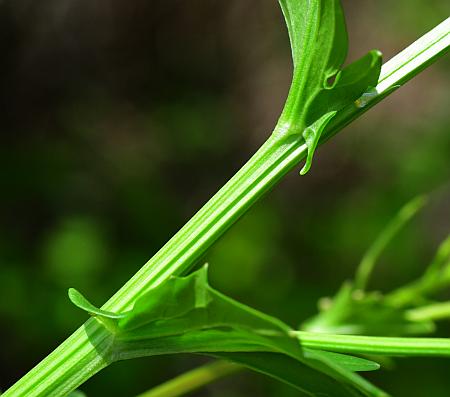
x=120 y=119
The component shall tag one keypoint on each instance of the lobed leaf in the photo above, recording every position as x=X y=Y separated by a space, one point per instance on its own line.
x=186 y=315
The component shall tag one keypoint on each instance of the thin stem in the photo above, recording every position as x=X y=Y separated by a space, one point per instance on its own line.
x=86 y=351
x=394 y=226
x=435 y=311
x=194 y=379
x=377 y=345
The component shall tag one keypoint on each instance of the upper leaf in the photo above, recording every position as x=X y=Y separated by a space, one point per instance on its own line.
x=319 y=42
x=349 y=84
x=319 y=87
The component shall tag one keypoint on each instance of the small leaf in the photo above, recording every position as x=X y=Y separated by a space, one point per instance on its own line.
x=80 y=301
x=351 y=363
x=342 y=373
x=349 y=85
x=312 y=135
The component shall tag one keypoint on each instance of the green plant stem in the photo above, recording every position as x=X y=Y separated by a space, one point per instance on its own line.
x=435 y=311
x=376 y=345
x=368 y=262
x=86 y=352
x=194 y=379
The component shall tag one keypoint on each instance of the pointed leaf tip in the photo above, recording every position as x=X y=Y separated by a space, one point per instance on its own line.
x=81 y=302
x=349 y=362
x=312 y=135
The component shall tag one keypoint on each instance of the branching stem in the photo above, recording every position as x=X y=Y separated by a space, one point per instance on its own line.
x=86 y=351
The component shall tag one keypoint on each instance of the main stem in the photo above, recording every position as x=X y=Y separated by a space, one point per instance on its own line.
x=86 y=351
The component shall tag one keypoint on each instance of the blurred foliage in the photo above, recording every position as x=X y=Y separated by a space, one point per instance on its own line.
x=121 y=119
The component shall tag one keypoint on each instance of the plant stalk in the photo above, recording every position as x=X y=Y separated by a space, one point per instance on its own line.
x=375 y=345
x=370 y=258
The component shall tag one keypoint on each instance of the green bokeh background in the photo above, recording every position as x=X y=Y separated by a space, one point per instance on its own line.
x=120 y=119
